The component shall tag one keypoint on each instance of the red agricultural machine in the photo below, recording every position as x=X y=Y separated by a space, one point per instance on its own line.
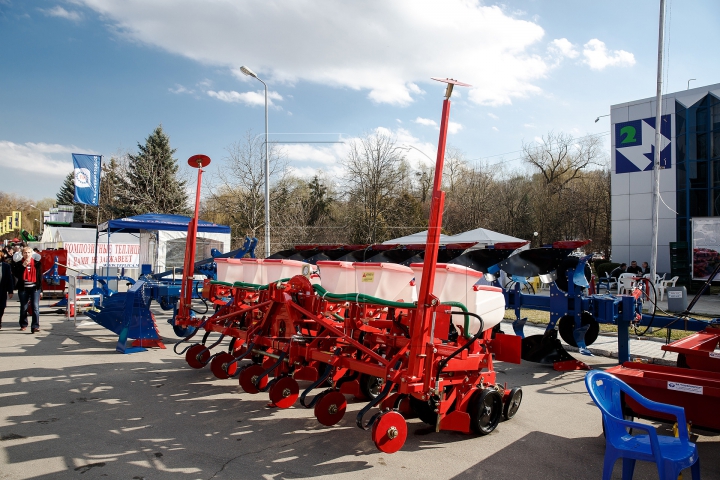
x=364 y=329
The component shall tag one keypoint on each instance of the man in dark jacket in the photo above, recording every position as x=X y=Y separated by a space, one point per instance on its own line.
x=6 y=284
x=27 y=270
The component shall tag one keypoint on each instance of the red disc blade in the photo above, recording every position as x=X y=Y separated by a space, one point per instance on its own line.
x=247 y=377
x=330 y=409
x=217 y=364
x=197 y=356
x=284 y=392
x=389 y=432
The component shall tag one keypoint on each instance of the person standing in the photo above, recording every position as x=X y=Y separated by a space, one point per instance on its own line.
x=6 y=284
x=28 y=272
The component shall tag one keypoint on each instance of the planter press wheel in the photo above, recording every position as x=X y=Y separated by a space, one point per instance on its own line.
x=216 y=365
x=248 y=374
x=197 y=356
x=330 y=407
x=370 y=386
x=566 y=326
x=284 y=392
x=424 y=410
x=389 y=432
x=485 y=409
x=513 y=403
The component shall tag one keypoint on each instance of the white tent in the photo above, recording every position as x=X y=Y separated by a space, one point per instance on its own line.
x=417 y=238
x=482 y=236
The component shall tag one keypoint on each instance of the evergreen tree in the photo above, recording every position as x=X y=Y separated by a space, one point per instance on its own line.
x=66 y=196
x=151 y=183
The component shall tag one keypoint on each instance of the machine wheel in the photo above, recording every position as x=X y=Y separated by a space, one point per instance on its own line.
x=566 y=326
x=485 y=409
x=284 y=392
x=371 y=386
x=330 y=408
x=248 y=375
x=389 y=432
x=424 y=410
x=513 y=403
x=217 y=365
x=183 y=331
x=197 y=356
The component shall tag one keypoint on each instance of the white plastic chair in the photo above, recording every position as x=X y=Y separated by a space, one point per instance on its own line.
x=626 y=283
x=663 y=284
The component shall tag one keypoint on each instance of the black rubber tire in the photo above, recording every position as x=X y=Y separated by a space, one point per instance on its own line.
x=370 y=386
x=513 y=403
x=485 y=409
x=424 y=410
x=566 y=325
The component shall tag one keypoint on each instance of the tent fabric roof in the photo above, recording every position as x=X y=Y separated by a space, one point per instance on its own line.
x=160 y=221
x=483 y=235
x=417 y=238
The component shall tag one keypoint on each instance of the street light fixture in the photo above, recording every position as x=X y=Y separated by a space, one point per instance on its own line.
x=691 y=80
x=41 y=222
x=601 y=116
x=245 y=70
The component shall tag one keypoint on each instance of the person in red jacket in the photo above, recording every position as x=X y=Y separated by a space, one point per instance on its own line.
x=6 y=284
x=27 y=270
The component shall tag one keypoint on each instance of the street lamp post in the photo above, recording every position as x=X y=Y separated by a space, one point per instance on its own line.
x=41 y=217
x=601 y=116
x=250 y=73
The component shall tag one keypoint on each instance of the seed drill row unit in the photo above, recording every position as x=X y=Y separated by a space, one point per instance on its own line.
x=359 y=330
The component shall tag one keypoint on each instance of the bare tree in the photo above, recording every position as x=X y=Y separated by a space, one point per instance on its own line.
x=560 y=158
x=374 y=175
x=237 y=193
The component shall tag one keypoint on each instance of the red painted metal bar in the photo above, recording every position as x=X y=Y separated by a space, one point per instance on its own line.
x=196 y=161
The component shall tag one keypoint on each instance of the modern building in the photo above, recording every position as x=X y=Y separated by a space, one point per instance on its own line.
x=689 y=175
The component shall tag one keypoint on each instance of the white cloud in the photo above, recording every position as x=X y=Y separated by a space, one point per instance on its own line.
x=454 y=127
x=391 y=51
x=563 y=48
x=493 y=116
x=60 y=12
x=495 y=129
x=598 y=57
x=426 y=121
x=179 y=89
x=529 y=125
x=248 y=98
x=49 y=159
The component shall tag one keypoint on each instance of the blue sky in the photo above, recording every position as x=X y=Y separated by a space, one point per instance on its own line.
x=97 y=76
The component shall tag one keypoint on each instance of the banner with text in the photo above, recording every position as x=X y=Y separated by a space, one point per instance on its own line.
x=81 y=256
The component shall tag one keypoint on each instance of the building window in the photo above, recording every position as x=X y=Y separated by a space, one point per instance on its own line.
x=698 y=203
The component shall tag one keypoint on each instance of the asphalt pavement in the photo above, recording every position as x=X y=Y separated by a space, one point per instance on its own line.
x=70 y=407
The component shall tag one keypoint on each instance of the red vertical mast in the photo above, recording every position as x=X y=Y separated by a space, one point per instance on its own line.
x=183 y=314
x=433 y=239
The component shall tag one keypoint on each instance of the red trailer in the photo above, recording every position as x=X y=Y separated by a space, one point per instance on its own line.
x=697 y=391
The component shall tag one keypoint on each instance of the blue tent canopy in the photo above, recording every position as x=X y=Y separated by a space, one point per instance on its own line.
x=159 y=221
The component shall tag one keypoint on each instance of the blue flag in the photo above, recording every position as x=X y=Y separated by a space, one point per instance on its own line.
x=87 y=178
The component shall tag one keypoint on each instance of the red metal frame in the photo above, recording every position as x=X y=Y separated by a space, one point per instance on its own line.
x=300 y=333
x=697 y=391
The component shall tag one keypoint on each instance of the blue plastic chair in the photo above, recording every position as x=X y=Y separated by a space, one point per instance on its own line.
x=671 y=454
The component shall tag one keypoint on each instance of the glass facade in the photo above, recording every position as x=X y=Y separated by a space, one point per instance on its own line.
x=697 y=160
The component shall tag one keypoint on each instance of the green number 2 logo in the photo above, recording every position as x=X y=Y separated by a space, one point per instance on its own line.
x=629 y=133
